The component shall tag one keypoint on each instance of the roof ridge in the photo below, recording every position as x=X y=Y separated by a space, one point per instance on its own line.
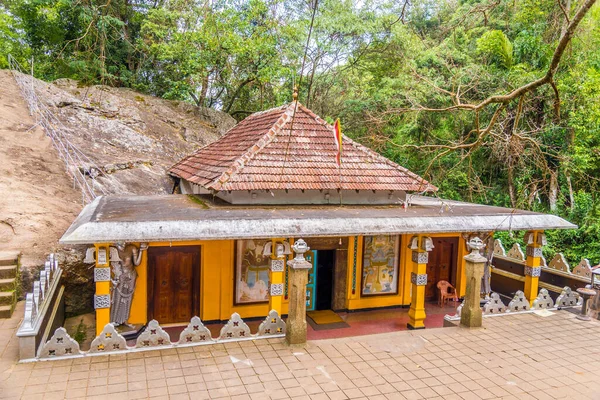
x=240 y=162
x=185 y=158
x=391 y=163
x=371 y=152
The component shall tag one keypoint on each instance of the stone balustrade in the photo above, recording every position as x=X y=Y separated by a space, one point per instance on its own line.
x=155 y=337
x=519 y=304
x=43 y=308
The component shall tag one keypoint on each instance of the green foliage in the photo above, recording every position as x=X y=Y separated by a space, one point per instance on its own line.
x=367 y=63
x=497 y=48
x=79 y=334
x=11 y=39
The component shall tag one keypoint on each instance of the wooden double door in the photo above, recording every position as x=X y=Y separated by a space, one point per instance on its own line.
x=173 y=283
x=441 y=265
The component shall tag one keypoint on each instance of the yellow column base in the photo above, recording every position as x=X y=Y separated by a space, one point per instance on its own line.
x=416 y=314
x=102 y=318
x=531 y=288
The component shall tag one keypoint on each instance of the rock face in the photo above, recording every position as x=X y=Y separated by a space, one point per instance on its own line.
x=131 y=138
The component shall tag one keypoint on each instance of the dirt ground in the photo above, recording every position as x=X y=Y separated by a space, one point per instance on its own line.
x=37 y=201
x=130 y=137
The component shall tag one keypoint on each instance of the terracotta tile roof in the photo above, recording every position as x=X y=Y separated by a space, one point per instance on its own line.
x=259 y=153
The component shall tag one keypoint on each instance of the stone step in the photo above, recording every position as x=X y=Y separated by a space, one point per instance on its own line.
x=9 y=257
x=8 y=298
x=6 y=311
x=8 y=271
x=8 y=285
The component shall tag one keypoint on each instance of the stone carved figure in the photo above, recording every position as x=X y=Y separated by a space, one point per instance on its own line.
x=486 y=287
x=123 y=259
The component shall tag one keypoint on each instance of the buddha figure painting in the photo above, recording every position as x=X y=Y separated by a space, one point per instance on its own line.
x=380 y=265
x=252 y=272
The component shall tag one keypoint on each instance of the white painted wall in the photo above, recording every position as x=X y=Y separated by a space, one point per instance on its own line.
x=270 y=197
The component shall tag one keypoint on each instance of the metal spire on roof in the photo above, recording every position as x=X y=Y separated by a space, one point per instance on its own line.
x=295 y=94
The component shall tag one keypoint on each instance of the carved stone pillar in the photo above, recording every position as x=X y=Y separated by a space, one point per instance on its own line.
x=420 y=246
x=295 y=333
x=534 y=241
x=471 y=314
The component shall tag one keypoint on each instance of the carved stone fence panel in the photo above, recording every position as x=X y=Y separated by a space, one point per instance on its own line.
x=519 y=304
x=155 y=337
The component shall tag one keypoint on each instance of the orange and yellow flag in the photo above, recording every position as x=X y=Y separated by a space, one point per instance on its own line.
x=337 y=135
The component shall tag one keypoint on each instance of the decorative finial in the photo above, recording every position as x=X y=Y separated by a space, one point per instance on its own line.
x=300 y=247
x=295 y=95
x=476 y=244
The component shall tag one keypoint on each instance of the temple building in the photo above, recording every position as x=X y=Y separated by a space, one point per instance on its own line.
x=378 y=234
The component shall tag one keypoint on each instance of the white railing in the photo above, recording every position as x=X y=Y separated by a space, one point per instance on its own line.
x=78 y=165
x=41 y=308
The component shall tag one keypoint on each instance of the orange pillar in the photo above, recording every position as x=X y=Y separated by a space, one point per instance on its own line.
x=420 y=246
x=276 y=275
x=102 y=280
x=534 y=241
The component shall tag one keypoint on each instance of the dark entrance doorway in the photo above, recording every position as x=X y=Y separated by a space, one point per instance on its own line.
x=173 y=283
x=324 y=282
x=441 y=265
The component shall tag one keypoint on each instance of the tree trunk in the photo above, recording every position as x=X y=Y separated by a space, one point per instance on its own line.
x=237 y=93
x=511 y=185
x=532 y=195
x=553 y=193
x=567 y=10
x=571 y=195
x=203 y=91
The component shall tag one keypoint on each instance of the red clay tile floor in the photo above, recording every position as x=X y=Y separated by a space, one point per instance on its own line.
x=359 y=322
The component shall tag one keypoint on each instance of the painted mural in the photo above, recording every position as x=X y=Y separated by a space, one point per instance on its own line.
x=252 y=272
x=380 y=265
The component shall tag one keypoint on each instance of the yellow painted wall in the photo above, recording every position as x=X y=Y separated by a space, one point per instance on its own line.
x=403 y=298
x=217 y=276
x=356 y=301
x=217 y=281
x=139 y=303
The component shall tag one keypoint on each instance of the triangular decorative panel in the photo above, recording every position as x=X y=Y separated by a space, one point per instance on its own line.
x=516 y=252
x=543 y=300
x=519 y=302
x=499 y=248
x=108 y=340
x=568 y=298
x=583 y=269
x=235 y=328
x=153 y=336
x=61 y=344
x=195 y=332
x=494 y=305
x=559 y=262
x=272 y=325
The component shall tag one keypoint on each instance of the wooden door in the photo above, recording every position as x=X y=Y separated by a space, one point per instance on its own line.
x=441 y=265
x=173 y=283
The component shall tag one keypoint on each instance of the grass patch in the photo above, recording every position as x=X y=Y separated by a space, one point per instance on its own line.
x=79 y=335
x=197 y=201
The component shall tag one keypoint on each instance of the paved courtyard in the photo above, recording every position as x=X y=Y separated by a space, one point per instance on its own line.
x=520 y=357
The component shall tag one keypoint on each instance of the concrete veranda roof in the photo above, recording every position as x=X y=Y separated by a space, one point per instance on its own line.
x=109 y=219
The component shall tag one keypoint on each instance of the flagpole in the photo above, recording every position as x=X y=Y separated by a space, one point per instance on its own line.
x=337 y=133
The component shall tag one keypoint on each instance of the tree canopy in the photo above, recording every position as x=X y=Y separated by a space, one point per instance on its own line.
x=411 y=79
